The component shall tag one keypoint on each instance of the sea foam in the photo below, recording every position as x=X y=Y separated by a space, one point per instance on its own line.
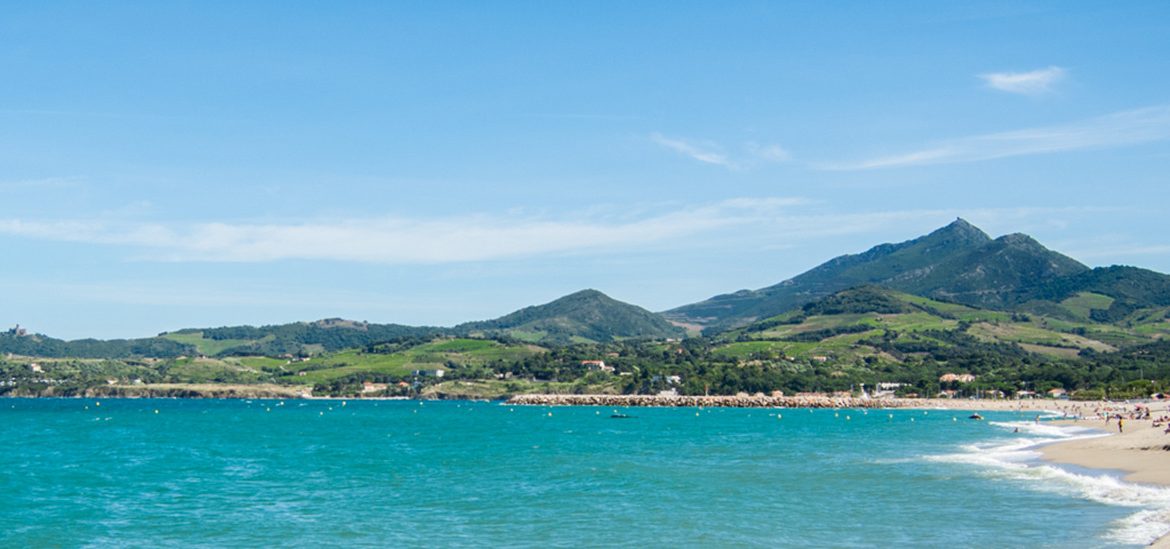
x=1018 y=459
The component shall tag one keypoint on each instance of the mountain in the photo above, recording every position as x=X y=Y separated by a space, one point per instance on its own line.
x=584 y=315
x=297 y=338
x=958 y=263
x=40 y=345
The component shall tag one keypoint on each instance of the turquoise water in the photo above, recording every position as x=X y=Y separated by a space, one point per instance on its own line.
x=393 y=473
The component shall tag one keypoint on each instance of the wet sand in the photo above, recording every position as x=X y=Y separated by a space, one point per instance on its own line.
x=1141 y=447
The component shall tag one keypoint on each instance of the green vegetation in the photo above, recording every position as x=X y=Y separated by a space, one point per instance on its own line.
x=957 y=264
x=587 y=316
x=206 y=346
x=1008 y=311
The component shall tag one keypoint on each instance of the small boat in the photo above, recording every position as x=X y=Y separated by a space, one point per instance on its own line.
x=620 y=416
x=975 y=417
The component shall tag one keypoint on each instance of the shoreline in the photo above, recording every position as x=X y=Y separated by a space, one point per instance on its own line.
x=1141 y=451
x=297 y=392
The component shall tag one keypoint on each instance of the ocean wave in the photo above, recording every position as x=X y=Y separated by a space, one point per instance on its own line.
x=1018 y=459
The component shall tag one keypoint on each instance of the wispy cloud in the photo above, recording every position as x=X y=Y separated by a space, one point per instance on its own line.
x=709 y=152
x=768 y=152
x=773 y=221
x=395 y=240
x=1035 y=82
x=1114 y=130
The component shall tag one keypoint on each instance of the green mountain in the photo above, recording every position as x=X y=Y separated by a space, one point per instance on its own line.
x=298 y=338
x=588 y=315
x=41 y=345
x=957 y=263
x=585 y=316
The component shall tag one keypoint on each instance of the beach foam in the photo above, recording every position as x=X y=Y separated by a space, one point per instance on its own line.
x=1018 y=459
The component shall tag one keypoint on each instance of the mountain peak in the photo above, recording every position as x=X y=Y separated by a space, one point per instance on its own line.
x=961 y=230
x=957 y=262
x=587 y=314
x=588 y=293
x=1018 y=239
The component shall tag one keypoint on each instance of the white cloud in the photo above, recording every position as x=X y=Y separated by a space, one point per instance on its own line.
x=1114 y=130
x=769 y=152
x=397 y=240
x=711 y=153
x=707 y=153
x=1035 y=82
x=772 y=221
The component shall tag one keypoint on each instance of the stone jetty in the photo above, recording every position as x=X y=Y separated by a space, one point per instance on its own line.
x=740 y=401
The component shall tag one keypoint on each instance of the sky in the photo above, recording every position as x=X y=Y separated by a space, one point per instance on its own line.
x=166 y=165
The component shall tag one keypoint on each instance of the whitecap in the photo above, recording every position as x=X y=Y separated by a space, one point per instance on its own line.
x=1018 y=459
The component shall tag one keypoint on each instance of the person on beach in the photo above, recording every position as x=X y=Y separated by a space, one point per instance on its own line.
x=1119 y=424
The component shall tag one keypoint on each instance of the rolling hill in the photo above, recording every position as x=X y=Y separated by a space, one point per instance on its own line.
x=584 y=316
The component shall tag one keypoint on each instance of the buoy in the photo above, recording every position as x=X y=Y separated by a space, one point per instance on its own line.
x=156 y=410
x=97 y=403
x=779 y=416
x=847 y=418
x=268 y=409
x=550 y=414
x=343 y=403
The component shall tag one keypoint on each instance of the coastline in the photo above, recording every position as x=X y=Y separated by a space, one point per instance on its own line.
x=1141 y=450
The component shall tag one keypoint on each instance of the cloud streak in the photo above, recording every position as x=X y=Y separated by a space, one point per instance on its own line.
x=707 y=153
x=450 y=240
x=1104 y=132
x=753 y=153
x=1037 y=82
x=396 y=240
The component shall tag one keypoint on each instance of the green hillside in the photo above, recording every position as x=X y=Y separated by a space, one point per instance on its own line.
x=958 y=264
x=459 y=356
x=581 y=317
x=871 y=324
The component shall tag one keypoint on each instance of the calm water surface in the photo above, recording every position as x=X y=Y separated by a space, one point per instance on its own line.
x=397 y=473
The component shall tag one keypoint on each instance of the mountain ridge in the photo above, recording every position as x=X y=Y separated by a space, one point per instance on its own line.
x=958 y=263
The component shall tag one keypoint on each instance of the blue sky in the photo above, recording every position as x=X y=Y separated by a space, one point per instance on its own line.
x=170 y=165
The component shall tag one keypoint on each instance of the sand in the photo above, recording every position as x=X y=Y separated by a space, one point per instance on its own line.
x=1141 y=449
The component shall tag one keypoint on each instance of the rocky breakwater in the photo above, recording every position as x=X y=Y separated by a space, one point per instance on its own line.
x=740 y=401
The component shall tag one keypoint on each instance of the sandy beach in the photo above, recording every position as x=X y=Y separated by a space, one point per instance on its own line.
x=1140 y=448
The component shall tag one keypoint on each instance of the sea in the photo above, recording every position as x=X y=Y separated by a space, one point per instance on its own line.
x=296 y=473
